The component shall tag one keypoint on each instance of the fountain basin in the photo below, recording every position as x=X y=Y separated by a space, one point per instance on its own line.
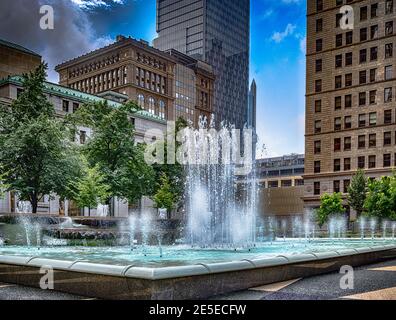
x=194 y=280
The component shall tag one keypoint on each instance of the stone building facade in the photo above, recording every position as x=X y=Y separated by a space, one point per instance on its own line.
x=15 y=59
x=350 y=95
x=144 y=74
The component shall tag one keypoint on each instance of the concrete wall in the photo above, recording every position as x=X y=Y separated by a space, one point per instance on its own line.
x=281 y=201
x=14 y=62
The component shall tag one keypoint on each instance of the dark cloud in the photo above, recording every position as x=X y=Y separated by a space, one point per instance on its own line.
x=72 y=36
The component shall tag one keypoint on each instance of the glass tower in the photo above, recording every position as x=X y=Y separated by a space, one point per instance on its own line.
x=217 y=32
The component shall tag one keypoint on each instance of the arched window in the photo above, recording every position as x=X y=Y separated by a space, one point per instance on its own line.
x=151 y=105
x=140 y=100
x=162 y=109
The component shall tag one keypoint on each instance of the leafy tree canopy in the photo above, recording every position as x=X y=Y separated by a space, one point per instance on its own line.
x=331 y=204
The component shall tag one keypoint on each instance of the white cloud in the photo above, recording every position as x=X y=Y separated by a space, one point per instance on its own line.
x=280 y=36
x=89 y=4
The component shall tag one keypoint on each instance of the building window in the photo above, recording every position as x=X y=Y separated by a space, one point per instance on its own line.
x=337 y=165
x=337 y=103
x=363 y=13
x=318 y=106
x=346 y=185
x=317 y=147
x=361 y=162
x=373 y=96
x=372 y=162
x=140 y=100
x=336 y=186
x=389 y=50
x=316 y=188
x=349 y=37
x=318 y=126
x=339 y=40
x=347 y=143
x=338 y=82
x=162 y=110
x=318 y=65
x=319 y=45
x=83 y=137
x=388 y=6
x=389 y=28
x=362 y=99
x=363 y=34
x=151 y=105
x=388 y=95
x=286 y=183
x=362 y=142
x=387 y=160
x=387 y=138
x=299 y=182
x=387 y=116
x=373 y=53
x=348 y=80
x=273 y=184
x=338 y=61
x=317 y=167
x=338 y=19
x=374 y=10
x=388 y=72
x=362 y=120
x=65 y=106
x=362 y=77
x=374 y=32
x=373 y=73
x=337 y=124
x=372 y=140
x=373 y=118
x=337 y=144
x=318 y=85
x=347 y=164
x=363 y=56
x=348 y=59
x=348 y=101
x=319 y=25
x=319 y=5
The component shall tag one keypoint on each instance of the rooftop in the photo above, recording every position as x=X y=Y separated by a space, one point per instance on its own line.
x=17 y=47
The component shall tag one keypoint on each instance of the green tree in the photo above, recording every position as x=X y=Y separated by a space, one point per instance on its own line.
x=331 y=204
x=165 y=197
x=174 y=172
x=90 y=190
x=357 y=192
x=113 y=150
x=36 y=153
x=381 y=198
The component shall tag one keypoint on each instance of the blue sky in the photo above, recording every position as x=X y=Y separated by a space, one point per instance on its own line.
x=277 y=62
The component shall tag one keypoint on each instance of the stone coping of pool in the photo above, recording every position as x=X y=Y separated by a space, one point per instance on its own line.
x=161 y=273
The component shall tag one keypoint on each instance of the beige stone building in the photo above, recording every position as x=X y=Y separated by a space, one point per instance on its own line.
x=350 y=94
x=166 y=84
x=15 y=59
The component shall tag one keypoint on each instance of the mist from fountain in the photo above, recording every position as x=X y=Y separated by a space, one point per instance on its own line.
x=373 y=227
x=219 y=214
x=362 y=226
x=102 y=210
x=384 y=228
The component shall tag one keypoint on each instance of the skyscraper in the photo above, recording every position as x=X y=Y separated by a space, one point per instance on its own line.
x=217 y=32
x=350 y=108
x=251 y=114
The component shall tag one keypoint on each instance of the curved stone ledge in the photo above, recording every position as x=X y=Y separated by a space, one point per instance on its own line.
x=105 y=269
x=55 y=264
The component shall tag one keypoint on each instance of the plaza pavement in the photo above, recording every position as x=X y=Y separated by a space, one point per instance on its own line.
x=373 y=282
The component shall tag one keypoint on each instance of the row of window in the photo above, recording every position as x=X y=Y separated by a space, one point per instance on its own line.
x=360 y=163
x=152 y=106
x=364 y=11
x=102 y=82
x=372 y=142
x=150 y=80
x=142 y=58
x=363 y=121
x=283 y=183
x=67 y=106
x=94 y=66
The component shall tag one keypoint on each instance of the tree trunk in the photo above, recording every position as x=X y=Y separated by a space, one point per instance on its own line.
x=34 y=203
x=89 y=211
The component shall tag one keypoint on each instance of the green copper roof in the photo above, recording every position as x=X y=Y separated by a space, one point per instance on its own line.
x=17 y=47
x=56 y=89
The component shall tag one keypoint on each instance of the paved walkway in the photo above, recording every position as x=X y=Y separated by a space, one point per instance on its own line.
x=371 y=282
x=374 y=282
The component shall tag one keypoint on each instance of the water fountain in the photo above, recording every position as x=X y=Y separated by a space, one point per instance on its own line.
x=373 y=227
x=362 y=225
x=384 y=228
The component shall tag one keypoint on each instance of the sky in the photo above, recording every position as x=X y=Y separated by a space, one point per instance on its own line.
x=277 y=51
